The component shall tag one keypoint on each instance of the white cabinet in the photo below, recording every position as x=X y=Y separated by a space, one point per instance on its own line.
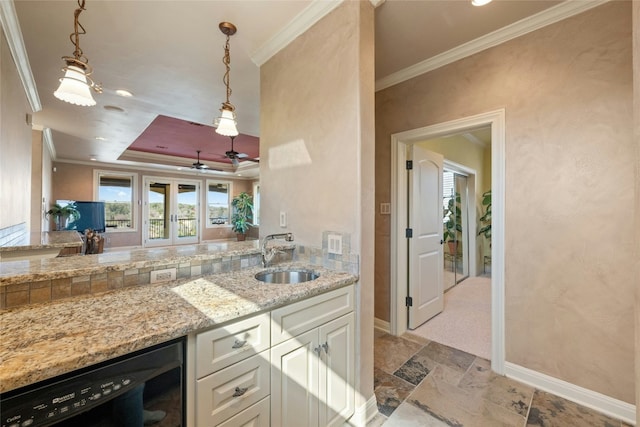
x=291 y=367
x=312 y=373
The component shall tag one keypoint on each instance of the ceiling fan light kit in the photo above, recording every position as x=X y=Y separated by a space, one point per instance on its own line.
x=75 y=87
x=226 y=123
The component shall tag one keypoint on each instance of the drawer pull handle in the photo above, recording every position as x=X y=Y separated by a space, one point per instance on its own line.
x=240 y=391
x=239 y=344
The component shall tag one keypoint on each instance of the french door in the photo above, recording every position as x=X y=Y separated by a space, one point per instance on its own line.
x=171 y=208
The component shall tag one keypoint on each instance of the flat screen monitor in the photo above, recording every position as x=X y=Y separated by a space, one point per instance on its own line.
x=91 y=216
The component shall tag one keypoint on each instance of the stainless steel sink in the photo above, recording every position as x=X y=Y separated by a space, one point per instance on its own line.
x=287 y=276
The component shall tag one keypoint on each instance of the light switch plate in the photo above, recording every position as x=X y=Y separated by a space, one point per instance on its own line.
x=385 y=208
x=334 y=244
x=283 y=219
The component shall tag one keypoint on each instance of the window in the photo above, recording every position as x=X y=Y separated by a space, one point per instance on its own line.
x=118 y=192
x=218 y=203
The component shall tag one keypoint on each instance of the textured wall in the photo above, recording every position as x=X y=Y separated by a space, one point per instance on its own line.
x=567 y=93
x=316 y=145
x=636 y=121
x=15 y=144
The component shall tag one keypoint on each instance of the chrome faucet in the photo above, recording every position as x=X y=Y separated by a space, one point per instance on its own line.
x=267 y=256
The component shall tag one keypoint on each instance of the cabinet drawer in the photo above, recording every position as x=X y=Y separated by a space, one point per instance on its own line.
x=221 y=347
x=299 y=317
x=254 y=416
x=226 y=393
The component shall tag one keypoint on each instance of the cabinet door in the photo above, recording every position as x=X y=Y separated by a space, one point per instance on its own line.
x=337 y=368
x=294 y=382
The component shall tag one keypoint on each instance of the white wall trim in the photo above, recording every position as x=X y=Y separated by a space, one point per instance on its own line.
x=549 y=16
x=48 y=142
x=11 y=27
x=317 y=10
x=382 y=325
x=585 y=397
x=399 y=143
x=363 y=414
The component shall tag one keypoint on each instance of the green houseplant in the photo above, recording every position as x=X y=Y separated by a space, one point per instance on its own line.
x=242 y=215
x=61 y=214
x=452 y=222
x=485 y=219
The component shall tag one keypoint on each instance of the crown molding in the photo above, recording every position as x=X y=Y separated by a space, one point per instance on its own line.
x=549 y=16
x=317 y=10
x=11 y=27
x=48 y=142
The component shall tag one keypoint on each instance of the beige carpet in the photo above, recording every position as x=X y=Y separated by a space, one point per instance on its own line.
x=465 y=323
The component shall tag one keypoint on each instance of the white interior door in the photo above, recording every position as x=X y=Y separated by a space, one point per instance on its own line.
x=171 y=209
x=425 y=246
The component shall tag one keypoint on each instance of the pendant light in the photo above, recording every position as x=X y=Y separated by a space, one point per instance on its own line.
x=75 y=87
x=226 y=123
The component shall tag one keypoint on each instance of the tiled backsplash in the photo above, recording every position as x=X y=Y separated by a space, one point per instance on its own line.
x=42 y=291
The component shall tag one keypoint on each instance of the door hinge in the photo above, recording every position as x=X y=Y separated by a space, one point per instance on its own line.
x=409 y=165
x=409 y=233
x=409 y=302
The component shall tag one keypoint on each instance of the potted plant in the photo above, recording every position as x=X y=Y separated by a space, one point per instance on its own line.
x=452 y=223
x=486 y=218
x=61 y=214
x=242 y=215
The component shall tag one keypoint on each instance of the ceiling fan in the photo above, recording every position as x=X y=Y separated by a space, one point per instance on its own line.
x=197 y=165
x=235 y=157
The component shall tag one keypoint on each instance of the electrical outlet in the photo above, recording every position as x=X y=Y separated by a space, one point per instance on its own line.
x=334 y=243
x=165 y=275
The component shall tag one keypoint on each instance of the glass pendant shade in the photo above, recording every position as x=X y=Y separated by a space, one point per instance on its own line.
x=226 y=123
x=74 y=87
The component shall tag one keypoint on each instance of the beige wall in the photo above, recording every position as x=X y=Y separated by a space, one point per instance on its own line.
x=316 y=146
x=636 y=120
x=567 y=93
x=15 y=144
x=72 y=181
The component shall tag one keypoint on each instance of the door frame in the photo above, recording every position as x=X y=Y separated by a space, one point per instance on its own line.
x=471 y=206
x=399 y=202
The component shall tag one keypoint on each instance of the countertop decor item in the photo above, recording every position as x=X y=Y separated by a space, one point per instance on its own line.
x=242 y=215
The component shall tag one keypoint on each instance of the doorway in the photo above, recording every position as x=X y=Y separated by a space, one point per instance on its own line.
x=458 y=205
x=171 y=211
x=399 y=249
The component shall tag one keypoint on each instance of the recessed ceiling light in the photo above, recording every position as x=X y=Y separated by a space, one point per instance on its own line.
x=480 y=2
x=92 y=158
x=124 y=92
x=114 y=108
x=101 y=138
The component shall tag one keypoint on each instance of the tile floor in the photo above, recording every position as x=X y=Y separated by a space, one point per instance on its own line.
x=423 y=383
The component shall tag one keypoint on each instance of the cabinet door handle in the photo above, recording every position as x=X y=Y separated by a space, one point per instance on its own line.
x=240 y=391
x=239 y=344
x=318 y=350
x=325 y=346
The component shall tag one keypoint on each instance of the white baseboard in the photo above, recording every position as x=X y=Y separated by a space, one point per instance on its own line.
x=591 y=399
x=382 y=325
x=364 y=413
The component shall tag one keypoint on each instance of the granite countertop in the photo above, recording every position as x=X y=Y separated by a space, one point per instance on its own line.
x=46 y=240
x=12 y=272
x=42 y=341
